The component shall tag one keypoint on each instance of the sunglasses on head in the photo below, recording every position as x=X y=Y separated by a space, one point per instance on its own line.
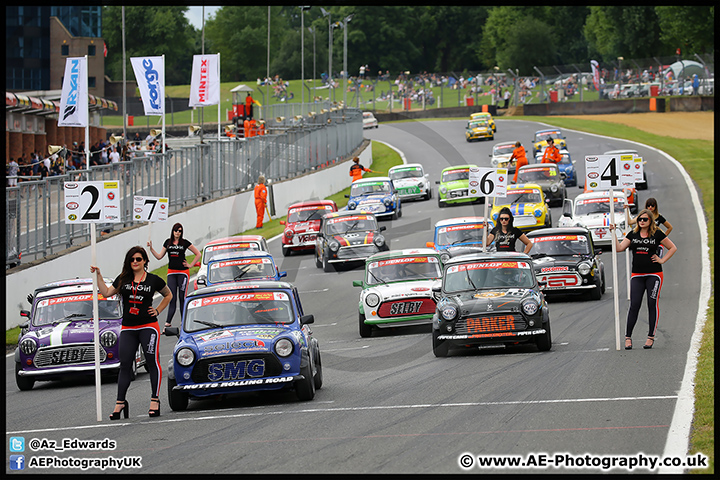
x=137 y=259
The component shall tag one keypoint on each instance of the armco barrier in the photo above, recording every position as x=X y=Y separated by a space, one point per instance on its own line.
x=217 y=218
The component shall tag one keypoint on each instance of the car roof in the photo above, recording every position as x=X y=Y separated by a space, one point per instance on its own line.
x=407 y=252
x=67 y=287
x=520 y=186
x=236 y=239
x=622 y=150
x=456 y=167
x=505 y=144
x=492 y=257
x=312 y=203
x=599 y=194
x=398 y=167
x=372 y=179
x=458 y=221
x=346 y=213
x=540 y=166
x=547 y=232
x=548 y=130
x=244 y=286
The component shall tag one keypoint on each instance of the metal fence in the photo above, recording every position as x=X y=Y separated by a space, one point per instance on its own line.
x=35 y=227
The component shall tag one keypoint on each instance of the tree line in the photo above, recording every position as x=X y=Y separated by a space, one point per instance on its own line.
x=404 y=38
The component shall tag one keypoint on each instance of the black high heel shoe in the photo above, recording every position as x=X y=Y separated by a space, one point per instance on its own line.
x=156 y=412
x=647 y=345
x=125 y=410
x=628 y=343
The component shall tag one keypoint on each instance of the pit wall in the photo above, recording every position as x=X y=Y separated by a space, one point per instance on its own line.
x=213 y=219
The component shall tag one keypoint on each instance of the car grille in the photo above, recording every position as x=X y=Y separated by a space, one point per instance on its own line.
x=357 y=251
x=200 y=373
x=413 y=306
x=77 y=354
x=490 y=323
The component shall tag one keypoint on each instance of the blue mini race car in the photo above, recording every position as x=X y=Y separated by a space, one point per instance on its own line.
x=375 y=195
x=243 y=337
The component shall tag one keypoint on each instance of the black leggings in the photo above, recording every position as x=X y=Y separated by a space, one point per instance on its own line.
x=177 y=283
x=149 y=337
x=639 y=285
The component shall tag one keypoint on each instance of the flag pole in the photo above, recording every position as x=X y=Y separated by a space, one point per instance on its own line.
x=164 y=164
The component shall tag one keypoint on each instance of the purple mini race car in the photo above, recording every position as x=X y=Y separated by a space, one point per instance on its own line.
x=57 y=339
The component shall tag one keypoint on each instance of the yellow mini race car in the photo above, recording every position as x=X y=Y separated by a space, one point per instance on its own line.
x=484 y=116
x=527 y=204
x=541 y=137
x=478 y=129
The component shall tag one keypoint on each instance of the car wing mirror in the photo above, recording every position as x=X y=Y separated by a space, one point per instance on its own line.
x=25 y=313
x=598 y=251
x=172 y=332
x=283 y=274
x=542 y=284
x=305 y=319
x=357 y=283
x=382 y=229
x=347 y=196
x=202 y=280
x=282 y=222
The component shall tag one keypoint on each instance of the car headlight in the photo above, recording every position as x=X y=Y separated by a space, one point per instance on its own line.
x=444 y=257
x=283 y=347
x=352 y=205
x=584 y=268
x=387 y=201
x=538 y=213
x=449 y=312
x=494 y=162
x=185 y=356
x=334 y=246
x=372 y=299
x=553 y=188
x=288 y=233
x=28 y=346
x=530 y=307
x=443 y=189
x=108 y=338
x=421 y=185
x=379 y=241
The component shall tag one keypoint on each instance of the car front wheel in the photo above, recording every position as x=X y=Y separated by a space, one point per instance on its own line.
x=544 y=341
x=440 y=347
x=23 y=383
x=305 y=388
x=178 y=400
x=365 y=329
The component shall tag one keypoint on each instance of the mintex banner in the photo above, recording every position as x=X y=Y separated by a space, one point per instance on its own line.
x=74 y=98
x=150 y=76
x=205 y=84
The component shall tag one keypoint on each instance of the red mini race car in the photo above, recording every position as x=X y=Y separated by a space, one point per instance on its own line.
x=303 y=223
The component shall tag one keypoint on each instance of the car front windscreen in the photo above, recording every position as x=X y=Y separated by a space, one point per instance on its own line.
x=531 y=175
x=238 y=308
x=560 y=245
x=367 y=188
x=68 y=308
x=519 y=196
x=355 y=223
x=541 y=137
x=488 y=275
x=213 y=251
x=597 y=205
x=455 y=175
x=304 y=214
x=403 y=269
x=414 y=172
x=459 y=234
x=503 y=150
x=241 y=269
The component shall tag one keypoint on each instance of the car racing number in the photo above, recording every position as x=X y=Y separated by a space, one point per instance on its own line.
x=92 y=202
x=487 y=182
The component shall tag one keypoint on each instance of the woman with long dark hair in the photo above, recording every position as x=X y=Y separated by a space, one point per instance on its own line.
x=136 y=287
x=178 y=275
x=646 y=275
x=506 y=235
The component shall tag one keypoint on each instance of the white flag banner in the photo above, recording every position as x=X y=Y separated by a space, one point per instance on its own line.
x=150 y=76
x=74 y=99
x=205 y=82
